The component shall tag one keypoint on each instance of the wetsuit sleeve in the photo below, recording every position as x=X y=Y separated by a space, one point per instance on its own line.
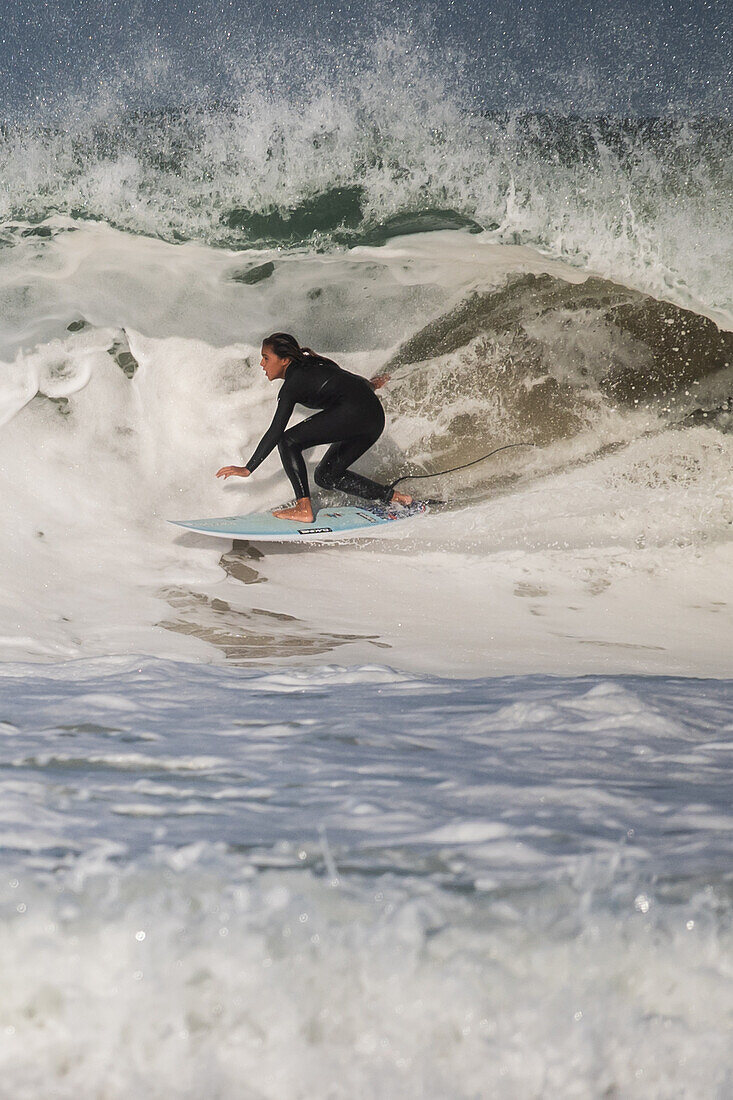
x=285 y=406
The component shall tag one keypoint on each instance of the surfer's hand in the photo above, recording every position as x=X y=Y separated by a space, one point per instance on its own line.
x=232 y=471
x=379 y=380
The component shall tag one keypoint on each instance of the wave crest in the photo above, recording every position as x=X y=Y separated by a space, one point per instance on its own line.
x=396 y=148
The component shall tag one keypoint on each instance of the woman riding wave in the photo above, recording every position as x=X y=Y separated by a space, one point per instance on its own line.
x=351 y=419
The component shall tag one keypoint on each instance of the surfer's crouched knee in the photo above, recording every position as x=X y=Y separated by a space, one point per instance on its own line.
x=324 y=478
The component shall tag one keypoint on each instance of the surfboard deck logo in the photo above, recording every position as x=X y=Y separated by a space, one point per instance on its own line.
x=329 y=524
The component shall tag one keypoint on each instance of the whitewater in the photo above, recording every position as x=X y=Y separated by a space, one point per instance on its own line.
x=441 y=814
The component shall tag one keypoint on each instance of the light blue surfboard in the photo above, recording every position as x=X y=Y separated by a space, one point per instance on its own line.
x=330 y=524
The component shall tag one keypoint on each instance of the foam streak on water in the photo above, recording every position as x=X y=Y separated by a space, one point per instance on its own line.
x=356 y=882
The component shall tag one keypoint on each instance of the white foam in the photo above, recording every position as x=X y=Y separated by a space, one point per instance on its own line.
x=88 y=556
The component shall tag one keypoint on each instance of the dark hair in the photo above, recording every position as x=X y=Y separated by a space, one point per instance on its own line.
x=286 y=346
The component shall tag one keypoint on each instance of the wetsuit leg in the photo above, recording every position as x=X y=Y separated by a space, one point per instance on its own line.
x=352 y=430
x=291 y=456
x=332 y=471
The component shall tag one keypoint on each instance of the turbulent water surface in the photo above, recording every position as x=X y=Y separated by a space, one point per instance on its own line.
x=364 y=883
x=446 y=814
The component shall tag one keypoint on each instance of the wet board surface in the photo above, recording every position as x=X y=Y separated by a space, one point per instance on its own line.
x=330 y=524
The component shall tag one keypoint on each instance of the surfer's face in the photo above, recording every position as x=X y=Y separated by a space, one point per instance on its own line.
x=273 y=366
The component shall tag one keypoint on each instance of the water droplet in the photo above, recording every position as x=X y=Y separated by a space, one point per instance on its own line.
x=642 y=903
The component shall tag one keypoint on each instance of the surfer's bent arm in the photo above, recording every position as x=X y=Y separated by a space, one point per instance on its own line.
x=272 y=436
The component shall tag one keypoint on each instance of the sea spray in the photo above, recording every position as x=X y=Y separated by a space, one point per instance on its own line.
x=340 y=155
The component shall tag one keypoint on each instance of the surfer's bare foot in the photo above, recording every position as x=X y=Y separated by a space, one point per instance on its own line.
x=401 y=498
x=301 y=513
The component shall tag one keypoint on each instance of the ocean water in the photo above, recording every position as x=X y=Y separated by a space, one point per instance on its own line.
x=352 y=881
x=444 y=814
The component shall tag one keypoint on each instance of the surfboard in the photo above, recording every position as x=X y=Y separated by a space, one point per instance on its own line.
x=329 y=525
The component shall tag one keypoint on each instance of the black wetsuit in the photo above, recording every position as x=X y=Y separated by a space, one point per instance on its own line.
x=351 y=420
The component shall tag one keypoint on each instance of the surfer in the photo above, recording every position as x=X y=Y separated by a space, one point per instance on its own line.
x=351 y=419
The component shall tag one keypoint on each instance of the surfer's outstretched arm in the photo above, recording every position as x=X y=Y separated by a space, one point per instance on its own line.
x=270 y=439
x=285 y=406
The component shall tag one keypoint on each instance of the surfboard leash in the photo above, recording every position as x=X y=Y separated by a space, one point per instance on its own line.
x=454 y=469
